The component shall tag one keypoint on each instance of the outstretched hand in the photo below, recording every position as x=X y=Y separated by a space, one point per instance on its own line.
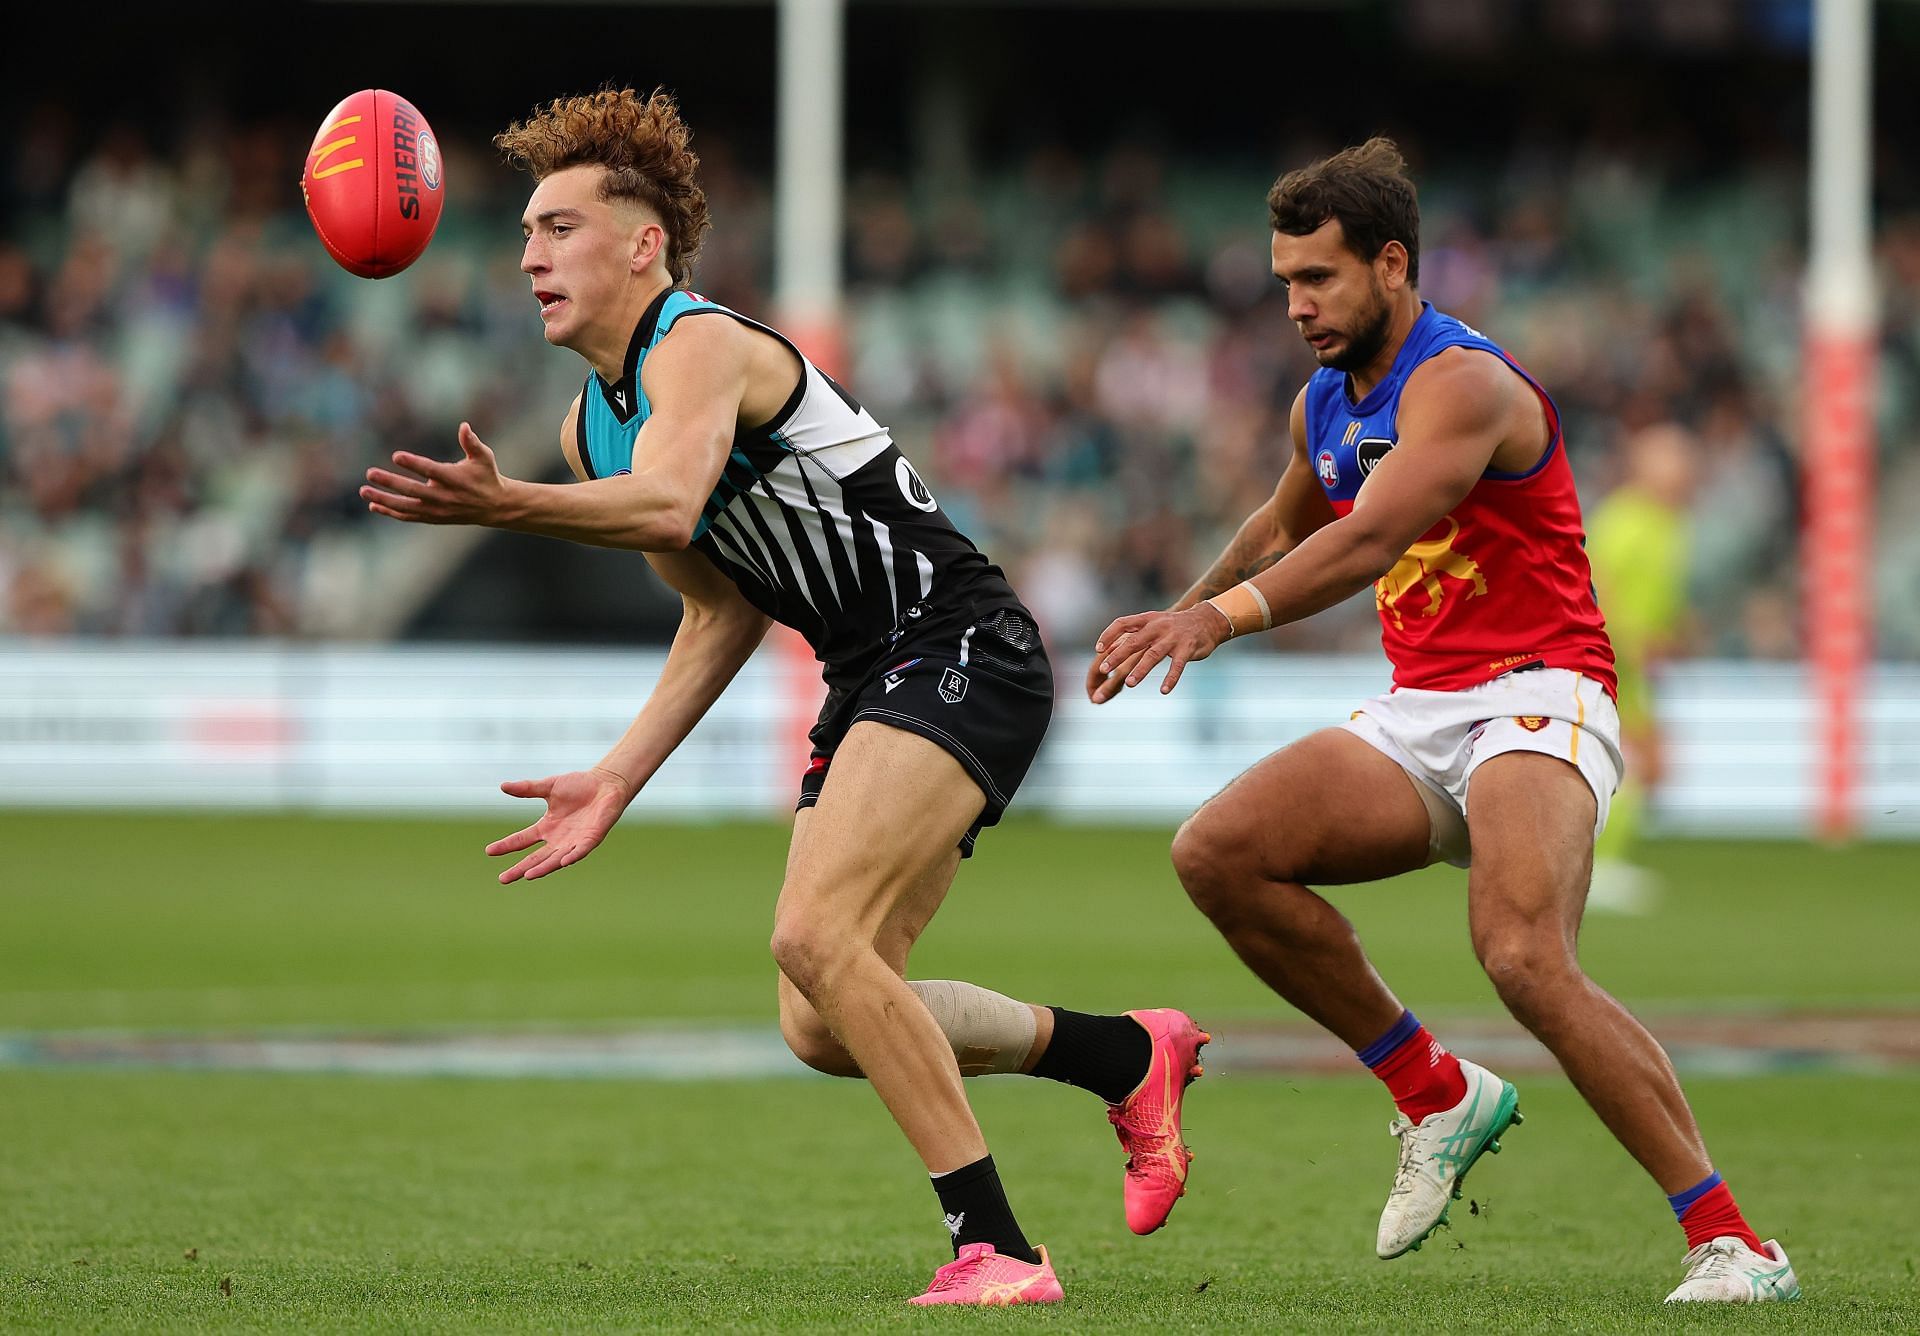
x=469 y=490
x=582 y=807
x=1131 y=646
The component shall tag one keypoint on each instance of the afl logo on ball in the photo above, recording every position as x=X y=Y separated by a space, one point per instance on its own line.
x=429 y=160
x=1328 y=468
x=1370 y=452
x=912 y=488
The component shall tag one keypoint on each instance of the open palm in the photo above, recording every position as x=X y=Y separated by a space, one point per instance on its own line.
x=582 y=807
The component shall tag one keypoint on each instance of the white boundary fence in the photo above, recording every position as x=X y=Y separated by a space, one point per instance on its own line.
x=410 y=729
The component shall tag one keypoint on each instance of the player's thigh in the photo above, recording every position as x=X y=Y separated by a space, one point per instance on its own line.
x=1329 y=809
x=877 y=850
x=911 y=913
x=1532 y=816
x=895 y=943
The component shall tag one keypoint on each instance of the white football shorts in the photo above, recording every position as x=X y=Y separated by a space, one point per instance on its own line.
x=1441 y=737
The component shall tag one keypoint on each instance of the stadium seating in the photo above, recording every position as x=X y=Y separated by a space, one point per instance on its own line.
x=1088 y=357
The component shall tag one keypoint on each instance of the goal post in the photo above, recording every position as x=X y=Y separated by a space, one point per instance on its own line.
x=809 y=223
x=1839 y=356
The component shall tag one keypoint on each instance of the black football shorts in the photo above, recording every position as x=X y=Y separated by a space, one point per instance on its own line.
x=981 y=689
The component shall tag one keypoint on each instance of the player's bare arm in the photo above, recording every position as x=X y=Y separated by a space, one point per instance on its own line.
x=570 y=441
x=719 y=630
x=697 y=381
x=1461 y=412
x=1297 y=508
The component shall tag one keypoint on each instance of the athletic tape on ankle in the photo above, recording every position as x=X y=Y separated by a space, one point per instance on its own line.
x=1245 y=609
x=988 y=1032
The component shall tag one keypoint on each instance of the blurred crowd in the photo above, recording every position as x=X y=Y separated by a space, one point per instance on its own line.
x=1084 y=351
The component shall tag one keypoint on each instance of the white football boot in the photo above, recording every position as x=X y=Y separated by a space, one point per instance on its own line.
x=1435 y=1155
x=1727 y=1271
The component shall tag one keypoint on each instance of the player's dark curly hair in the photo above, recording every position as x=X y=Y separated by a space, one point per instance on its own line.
x=1366 y=188
x=642 y=143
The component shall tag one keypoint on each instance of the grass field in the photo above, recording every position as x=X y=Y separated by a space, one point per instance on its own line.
x=174 y=1200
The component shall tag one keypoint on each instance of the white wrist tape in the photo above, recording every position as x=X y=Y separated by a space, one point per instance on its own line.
x=1244 y=607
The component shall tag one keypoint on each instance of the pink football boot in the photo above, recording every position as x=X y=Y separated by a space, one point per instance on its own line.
x=983 y=1277
x=1148 y=1121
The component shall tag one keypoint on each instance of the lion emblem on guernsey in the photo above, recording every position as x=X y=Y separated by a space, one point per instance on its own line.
x=1422 y=568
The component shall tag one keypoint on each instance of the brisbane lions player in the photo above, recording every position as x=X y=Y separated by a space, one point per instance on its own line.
x=1428 y=464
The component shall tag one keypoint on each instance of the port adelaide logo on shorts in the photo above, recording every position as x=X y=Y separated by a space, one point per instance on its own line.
x=953 y=686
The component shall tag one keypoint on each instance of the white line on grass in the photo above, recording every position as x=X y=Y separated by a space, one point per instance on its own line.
x=737 y=1053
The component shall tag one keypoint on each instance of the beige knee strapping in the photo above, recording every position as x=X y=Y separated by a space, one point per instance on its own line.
x=988 y=1032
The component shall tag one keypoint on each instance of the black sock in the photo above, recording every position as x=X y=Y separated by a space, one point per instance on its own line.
x=1108 y=1055
x=977 y=1210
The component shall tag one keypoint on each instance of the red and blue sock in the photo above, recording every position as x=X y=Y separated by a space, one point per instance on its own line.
x=1422 y=1077
x=1707 y=1211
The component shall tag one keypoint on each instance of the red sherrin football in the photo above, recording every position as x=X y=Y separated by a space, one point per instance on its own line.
x=373 y=183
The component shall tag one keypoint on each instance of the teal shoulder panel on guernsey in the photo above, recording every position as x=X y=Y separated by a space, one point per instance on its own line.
x=605 y=442
x=678 y=303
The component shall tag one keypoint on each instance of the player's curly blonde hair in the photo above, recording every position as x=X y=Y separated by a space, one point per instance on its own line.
x=642 y=143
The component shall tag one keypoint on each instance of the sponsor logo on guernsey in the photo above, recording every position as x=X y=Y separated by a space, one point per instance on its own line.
x=953 y=686
x=1328 y=468
x=1353 y=430
x=914 y=490
x=1370 y=452
x=620 y=398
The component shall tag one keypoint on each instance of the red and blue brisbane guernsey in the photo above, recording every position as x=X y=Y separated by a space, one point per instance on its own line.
x=1502 y=582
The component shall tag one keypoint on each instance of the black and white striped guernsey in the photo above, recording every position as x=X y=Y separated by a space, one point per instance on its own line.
x=818 y=518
